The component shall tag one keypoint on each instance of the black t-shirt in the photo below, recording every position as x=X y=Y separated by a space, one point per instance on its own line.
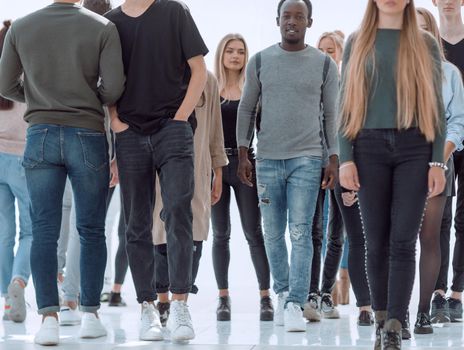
x=229 y=122
x=455 y=54
x=155 y=47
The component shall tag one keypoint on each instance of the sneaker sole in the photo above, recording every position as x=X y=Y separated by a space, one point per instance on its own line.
x=266 y=317
x=92 y=336
x=17 y=302
x=440 y=318
x=294 y=330
x=69 y=323
x=311 y=315
x=48 y=343
x=331 y=316
x=423 y=330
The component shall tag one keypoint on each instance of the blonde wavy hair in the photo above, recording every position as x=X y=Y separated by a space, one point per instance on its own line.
x=432 y=28
x=219 y=69
x=415 y=83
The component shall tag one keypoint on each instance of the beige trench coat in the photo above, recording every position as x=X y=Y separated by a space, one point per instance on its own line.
x=209 y=154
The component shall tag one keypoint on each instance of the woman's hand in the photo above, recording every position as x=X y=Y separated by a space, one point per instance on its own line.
x=349 y=198
x=437 y=181
x=349 y=176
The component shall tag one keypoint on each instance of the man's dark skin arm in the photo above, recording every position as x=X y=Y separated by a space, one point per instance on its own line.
x=245 y=168
x=330 y=173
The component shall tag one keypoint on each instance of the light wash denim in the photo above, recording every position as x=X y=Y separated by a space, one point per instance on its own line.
x=53 y=153
x=65 y=226
x=289 y=189
x=453 y=98
x=13 y=188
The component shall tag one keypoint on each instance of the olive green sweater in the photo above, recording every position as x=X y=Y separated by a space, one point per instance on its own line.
x=382 y=102
x=72 y=64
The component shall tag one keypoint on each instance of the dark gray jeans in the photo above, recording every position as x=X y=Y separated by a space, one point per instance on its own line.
x=169 y=154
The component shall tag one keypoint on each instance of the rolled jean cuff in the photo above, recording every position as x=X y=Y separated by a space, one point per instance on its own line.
x=282 y=290
x=180 y=290
x=162 y=289
x=457 y=289
x=48 y=310
x=361 y=303
x=148 y=298
x=22 y=278
x=194 y=290
x=90 y=309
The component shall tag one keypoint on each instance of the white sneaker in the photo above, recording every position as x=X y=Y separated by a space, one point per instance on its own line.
x=49 y=332
x=91 y=327
x=150 y=328
x=69 y=317
x=293 y=318
x=279 y=312
x=328 y=309
x=312 y=310
x=179 y=322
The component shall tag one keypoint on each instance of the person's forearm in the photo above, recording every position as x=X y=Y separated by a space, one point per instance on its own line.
x=449 y=148
x=195 y=89
x=217 y=173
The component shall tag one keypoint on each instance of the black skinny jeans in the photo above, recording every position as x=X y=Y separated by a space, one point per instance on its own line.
x=335 y=242
x=168 y=152
x=250 y=216
x=458 y=255
x=393 y=173
x=357 y=252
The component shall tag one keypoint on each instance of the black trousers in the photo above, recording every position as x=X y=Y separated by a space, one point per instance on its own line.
x=458 y=254
x=393 y=172
x=250 y=216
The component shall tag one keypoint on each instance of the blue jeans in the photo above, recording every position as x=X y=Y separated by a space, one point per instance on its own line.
x=289 y=187
x=52 y=153
x=13 y=187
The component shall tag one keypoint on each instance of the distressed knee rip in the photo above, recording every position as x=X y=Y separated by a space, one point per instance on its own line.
x=263 y=200
x=297 y=231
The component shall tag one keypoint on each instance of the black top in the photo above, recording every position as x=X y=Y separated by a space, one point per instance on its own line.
x=155 y=47
x=455 y=54
x=229 y=122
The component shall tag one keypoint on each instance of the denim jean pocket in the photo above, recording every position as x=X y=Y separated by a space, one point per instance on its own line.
x=94 y=149
x=35 y=144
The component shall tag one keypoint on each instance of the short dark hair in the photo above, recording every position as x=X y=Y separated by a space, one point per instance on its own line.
x=98 y=6
x=308 y=5
x=4 y=103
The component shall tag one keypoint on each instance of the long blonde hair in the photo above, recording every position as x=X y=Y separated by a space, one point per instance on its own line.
x=432 y=28
x=219 y=69
x=415 y=72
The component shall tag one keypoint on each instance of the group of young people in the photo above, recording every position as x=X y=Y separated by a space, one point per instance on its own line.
x=375 y=127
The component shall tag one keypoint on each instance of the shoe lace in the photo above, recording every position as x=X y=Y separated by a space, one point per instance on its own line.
x=266 y=302
x=327 y=299
x=424 y=320
x=440 y=301
x=182 y=315
x=149 y=316
x=392 y=339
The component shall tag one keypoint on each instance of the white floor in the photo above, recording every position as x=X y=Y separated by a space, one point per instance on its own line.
x=245 y=332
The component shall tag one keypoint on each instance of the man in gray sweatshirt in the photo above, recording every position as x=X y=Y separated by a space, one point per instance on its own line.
x=298 y=88
x=71 y=62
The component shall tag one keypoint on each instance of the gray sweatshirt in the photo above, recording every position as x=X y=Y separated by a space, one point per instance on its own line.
x=72 y=64
x=292 y=120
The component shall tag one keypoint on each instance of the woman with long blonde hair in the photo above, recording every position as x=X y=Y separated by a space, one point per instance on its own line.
x=230 y=63
x=392 y=134
x=432 y=242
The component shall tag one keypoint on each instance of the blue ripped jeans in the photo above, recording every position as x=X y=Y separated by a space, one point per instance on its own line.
x=288 y=189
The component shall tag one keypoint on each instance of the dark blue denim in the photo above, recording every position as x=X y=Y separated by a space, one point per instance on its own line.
x=54 y=152
x=393 y=173
x=167 y=154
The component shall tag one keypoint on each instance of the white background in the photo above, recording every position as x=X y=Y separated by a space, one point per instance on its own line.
x=255 y=19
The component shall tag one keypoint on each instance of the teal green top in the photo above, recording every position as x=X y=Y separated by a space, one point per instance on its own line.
x=382 y=104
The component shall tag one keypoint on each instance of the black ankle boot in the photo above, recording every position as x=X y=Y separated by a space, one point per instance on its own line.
x=266 y=309
x=223 y=309
x=392 y=335
x=380 y=317
x=423 y=324
x=365 y=318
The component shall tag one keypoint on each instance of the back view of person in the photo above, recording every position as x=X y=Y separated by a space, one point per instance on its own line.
x=72 y=65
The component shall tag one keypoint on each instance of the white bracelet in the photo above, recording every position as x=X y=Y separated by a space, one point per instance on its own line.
x=346 y=164
x=438 y=165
